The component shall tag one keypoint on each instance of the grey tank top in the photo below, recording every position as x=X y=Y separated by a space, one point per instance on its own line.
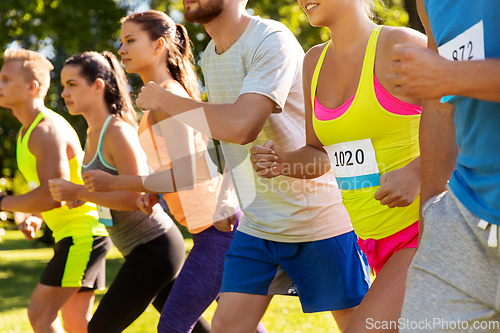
x=130 y=228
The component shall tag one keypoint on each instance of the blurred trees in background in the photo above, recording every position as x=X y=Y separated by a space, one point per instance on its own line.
x=60 y=29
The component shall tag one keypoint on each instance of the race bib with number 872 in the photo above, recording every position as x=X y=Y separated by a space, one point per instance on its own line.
x=469 y=45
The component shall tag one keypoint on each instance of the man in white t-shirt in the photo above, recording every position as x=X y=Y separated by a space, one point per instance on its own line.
x=252 y=69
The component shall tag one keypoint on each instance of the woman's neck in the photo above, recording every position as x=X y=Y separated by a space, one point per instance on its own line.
x=349 y=31
x=157 y=74
x=96 y=119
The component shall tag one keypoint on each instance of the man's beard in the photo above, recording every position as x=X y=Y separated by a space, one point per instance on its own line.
x=205 y=13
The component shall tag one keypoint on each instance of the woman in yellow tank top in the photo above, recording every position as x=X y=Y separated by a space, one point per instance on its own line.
x=369 y=138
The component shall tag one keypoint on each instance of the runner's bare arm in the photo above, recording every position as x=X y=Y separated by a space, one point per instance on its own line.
x=239 y=122
x=438 y=149
x=421 y=73
x=49 y=146
x=310 y=161
x=124 y=153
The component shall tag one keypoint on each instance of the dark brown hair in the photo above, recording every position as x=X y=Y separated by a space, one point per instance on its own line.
x=179 y=56
x=105 y=66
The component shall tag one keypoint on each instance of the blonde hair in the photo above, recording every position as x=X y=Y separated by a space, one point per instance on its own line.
x=34 y=67
x=369 y=7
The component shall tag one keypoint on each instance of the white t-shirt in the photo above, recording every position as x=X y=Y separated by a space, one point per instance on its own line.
x=267 y=60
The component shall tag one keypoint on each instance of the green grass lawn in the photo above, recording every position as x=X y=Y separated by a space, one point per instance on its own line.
x=22 y=263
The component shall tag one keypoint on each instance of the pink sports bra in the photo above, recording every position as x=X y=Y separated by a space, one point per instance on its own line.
x=386 y=100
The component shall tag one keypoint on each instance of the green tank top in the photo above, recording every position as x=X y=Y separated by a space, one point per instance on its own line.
x=64 y=222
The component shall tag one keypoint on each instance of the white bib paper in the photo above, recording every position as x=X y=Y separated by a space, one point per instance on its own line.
x=105 y=215
x=354 y=164
x=469 y=45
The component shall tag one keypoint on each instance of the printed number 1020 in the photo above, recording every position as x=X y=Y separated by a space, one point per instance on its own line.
x=346 y=158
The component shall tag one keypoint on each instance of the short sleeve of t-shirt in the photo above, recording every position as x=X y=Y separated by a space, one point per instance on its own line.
x=266 y=60
x=269 y=71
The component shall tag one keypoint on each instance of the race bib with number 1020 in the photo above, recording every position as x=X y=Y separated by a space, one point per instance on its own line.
x=469 y=45
x=354 y=164
x=105 y=216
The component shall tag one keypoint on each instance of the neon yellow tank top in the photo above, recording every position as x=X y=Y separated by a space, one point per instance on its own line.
x=64 y=222
x=363 y=143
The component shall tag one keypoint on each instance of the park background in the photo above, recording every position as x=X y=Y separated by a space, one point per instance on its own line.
x=61 y=28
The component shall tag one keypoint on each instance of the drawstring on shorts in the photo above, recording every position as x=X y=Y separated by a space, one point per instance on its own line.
x=492 y=238
x=370 y=250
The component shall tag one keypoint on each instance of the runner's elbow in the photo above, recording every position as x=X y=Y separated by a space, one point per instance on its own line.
x=246 y=136
x=54 y=204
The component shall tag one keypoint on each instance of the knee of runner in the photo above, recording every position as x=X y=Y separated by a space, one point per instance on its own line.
x=219 y=324
x=75 y=324
x=39 y=317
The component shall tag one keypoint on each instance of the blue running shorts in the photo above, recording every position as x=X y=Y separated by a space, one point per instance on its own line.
x=328 y=275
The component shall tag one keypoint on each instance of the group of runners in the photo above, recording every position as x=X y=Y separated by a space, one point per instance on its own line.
x=334 y=161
